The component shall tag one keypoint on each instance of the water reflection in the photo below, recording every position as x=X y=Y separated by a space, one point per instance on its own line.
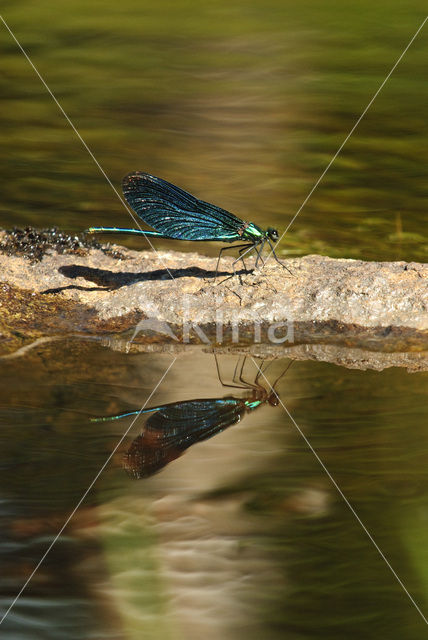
x=244 y=536
x=172 y=428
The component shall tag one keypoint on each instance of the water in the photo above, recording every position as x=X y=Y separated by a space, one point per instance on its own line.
x=244 y=535
x=242 y=106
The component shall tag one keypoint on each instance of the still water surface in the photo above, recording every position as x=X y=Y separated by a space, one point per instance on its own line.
x=244 y=535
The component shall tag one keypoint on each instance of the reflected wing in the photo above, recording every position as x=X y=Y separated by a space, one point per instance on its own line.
x=174 y=428
x=184 y=423
x=176 y=213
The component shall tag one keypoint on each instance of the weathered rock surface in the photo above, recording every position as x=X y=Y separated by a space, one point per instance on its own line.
x=371 y=306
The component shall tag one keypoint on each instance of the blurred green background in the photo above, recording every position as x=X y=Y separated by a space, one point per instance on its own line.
x=243 y=104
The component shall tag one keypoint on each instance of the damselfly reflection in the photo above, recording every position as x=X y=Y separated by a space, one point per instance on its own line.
x=172 y=428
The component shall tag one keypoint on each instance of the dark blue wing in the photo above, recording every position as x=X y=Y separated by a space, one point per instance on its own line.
x=176 y=427
x=184 y=423
x=176 y=213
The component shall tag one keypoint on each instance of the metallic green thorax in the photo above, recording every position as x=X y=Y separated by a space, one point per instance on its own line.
x=252 y=232
x=253 y=404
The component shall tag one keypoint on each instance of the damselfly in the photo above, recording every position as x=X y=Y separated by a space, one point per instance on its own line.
x=172 y=428
x=177 y=215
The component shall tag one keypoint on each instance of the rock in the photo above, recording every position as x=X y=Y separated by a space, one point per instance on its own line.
x=326 y=305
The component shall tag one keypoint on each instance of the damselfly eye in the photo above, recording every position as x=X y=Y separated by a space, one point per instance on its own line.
x=273 y=234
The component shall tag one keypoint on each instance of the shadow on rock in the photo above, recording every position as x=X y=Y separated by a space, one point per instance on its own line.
x=110 y=280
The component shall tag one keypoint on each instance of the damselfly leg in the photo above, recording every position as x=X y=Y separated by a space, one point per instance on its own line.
x=241 y=248
x=277 y=259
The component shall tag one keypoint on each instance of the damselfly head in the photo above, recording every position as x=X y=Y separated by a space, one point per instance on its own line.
x=273 y=399
x=272 y=233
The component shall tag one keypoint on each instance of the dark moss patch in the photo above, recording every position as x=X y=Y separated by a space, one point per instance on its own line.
x=33 y=243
